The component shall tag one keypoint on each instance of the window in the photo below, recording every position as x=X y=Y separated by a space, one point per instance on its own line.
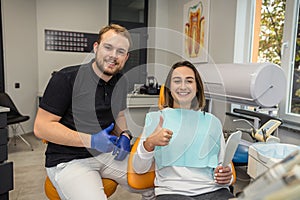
x=276 y=39
x=290 y=62
x=268 y=31
x=274 y=36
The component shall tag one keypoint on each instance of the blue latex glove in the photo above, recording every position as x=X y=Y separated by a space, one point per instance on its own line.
x=122 y=148
x=103 y=141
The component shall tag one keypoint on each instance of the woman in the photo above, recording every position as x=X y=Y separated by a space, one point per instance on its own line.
x=186 y=144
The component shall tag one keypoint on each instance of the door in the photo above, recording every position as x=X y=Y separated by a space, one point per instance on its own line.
x=133 y=14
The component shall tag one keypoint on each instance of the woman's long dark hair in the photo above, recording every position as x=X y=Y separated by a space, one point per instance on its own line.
x=199 y=101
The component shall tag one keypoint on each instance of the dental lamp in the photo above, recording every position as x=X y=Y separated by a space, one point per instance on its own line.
x=252 y=84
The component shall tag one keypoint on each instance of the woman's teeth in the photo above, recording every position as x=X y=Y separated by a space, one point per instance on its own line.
x=183 y=93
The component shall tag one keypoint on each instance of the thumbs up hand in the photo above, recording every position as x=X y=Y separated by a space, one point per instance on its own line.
x=160 y=137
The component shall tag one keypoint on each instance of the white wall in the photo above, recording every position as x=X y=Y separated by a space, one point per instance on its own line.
x=25 y=60
x=69 y=15
x=20 y=54
x=222 y=30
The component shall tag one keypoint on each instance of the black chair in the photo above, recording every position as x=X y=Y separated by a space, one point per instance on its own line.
x=14 y=117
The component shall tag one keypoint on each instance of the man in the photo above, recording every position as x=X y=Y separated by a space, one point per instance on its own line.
x=81 y=115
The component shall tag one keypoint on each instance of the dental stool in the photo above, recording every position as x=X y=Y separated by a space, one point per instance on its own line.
x=109 y=185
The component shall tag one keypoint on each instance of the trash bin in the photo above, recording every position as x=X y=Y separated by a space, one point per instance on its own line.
x=262 y=156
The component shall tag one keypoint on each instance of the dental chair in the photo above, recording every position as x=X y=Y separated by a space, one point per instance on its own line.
x=146 y=180
x=109 y=186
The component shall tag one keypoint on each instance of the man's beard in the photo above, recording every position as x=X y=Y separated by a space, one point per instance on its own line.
x=101 y=67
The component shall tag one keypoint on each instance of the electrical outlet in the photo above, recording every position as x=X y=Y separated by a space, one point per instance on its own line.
x=17 y=85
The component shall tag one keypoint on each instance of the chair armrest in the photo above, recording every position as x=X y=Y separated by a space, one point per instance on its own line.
x=233 y=173
x=139 y=181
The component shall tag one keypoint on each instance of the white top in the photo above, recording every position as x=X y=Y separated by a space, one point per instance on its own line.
x=178 y=180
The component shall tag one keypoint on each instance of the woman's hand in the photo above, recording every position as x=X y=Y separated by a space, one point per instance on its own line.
x=160 y=137
x=223 y=175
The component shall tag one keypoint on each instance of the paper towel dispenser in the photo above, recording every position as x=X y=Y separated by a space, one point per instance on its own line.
x=255 y=84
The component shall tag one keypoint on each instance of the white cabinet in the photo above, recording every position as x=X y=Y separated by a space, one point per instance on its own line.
x=138 y=106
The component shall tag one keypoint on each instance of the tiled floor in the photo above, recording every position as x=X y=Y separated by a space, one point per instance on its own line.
x=29 y=172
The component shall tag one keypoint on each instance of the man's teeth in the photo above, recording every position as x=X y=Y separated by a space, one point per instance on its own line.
x=111 y=62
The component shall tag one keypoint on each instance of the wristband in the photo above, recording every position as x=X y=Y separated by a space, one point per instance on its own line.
x=128 y=132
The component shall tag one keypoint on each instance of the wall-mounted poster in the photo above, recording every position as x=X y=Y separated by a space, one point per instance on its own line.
x=195 y=22
x=59 y=40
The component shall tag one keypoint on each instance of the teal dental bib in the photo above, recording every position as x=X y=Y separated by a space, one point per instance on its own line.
x=195 y=141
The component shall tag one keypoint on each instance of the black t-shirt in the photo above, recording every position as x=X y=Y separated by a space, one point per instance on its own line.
x=85 y=103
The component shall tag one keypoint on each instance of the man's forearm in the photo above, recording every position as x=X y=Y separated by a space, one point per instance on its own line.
x=48 y=127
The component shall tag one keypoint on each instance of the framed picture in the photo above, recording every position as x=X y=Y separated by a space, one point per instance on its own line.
x=195 y=29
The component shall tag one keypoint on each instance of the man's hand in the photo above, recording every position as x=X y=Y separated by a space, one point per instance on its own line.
x=103 y=141
x=122 y=148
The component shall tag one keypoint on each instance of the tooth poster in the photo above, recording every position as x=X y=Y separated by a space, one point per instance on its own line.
x=195 y=23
